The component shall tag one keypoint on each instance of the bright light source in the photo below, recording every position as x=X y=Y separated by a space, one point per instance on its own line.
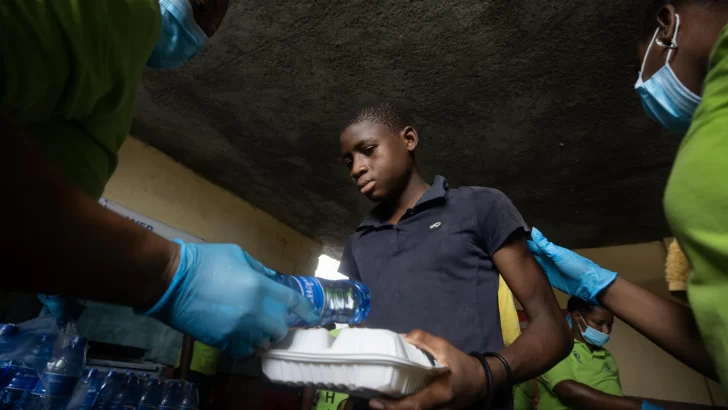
x=328 y=268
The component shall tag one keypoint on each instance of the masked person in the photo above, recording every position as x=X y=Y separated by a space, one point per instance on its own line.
x=68 y=81
x=589 y=377
x=683 y=85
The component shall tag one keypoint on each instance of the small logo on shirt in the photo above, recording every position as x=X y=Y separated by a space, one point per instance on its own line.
x=577 y=356
x=609 y=369
x=435 y=225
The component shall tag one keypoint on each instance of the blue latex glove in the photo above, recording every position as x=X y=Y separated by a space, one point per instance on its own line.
x=61 y=308
x=224 y=298
x=650 y=406
x=569 y=272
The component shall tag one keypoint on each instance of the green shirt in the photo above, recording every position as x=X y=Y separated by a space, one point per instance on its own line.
x=69 y=74
x=525 y=395
x=597 y=370
x=696 y=205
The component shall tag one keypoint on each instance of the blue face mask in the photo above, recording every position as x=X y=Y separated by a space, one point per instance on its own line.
x=664 y=98
x=180 y=39
x=593 y=336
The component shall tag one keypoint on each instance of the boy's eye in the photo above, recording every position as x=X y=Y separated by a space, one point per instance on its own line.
x=347 y=163
x=369 y=150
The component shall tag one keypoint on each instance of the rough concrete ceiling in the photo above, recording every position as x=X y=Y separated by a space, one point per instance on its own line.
x=534 y=98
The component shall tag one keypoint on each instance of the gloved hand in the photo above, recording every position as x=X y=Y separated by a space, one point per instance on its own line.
x=224 y=298
x=569 y=272
x=650 y=406
x=61 y=308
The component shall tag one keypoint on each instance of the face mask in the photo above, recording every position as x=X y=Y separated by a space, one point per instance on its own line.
x=664 y=98
x=593 y=336
x=180 y=39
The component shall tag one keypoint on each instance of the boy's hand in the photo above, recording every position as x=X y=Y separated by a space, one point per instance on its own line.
x=461 y=386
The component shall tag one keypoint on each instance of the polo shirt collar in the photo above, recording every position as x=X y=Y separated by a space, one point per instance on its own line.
x=599 y=352
x=379 y=215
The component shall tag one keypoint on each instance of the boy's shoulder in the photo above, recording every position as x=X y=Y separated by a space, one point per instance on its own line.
x=477 y=193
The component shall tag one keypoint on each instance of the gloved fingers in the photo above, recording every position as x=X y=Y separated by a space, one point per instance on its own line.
x=255 y=264
x=544 y=244
x=294 y=302
x=552 y=273
x=272 y=329
x=534 y=248
x=300 y=306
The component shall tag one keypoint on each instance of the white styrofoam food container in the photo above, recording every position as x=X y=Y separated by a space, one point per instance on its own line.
x=363 y=362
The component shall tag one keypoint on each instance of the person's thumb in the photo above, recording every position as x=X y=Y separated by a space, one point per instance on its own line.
x=431 y=344
x=302 y=307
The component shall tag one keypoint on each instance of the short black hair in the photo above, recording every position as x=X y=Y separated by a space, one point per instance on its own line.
x=652 y=7
x=577 y=304
x=389 y=113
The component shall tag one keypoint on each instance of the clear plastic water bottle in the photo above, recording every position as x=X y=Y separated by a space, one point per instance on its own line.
x=7 y=345
x=60 y=374
x=151 y=397
x=338 y=301
x=190 y=397
x=109 y=389
x=128 y=395
x=171 y=395
x=21 y=374
x=86 y=391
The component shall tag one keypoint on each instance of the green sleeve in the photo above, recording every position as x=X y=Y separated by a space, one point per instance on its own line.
x=696 y=205
x=562 y=371
x=69 y=74
x=523 y=396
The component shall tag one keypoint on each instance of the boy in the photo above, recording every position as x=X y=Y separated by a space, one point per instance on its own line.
x=431 y=256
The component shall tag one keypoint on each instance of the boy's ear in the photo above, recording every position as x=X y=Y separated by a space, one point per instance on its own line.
x=411 y=138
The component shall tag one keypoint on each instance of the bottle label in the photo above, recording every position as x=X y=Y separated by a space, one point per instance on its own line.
x=91 y=397
x=313 y=291
x=21 y=378
x=55 y=384
x=147 y=407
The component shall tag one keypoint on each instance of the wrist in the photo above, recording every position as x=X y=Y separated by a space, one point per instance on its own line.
x=498 y=372
x=604 y=295
x=172 y=255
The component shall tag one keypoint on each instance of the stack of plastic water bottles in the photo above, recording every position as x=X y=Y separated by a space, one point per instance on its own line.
x=42 y=368
x=117 y=391
x=39 y=366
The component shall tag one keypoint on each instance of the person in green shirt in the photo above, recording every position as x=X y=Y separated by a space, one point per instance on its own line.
x=68 y=81
x=589 y=377
x=526 y=395
x=683 y=85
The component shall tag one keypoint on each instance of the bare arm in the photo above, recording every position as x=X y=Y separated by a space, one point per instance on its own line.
x=547 y=339
x=59 y=240
x=658 y=319
x=582 y=397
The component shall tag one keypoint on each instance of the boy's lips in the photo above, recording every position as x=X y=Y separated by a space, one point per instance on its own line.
x=367 y=187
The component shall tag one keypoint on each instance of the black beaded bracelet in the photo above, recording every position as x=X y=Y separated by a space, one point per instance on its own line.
x=488 y=380
x=505 y=364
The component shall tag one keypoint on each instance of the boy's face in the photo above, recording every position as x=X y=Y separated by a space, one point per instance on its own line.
x=379 y=160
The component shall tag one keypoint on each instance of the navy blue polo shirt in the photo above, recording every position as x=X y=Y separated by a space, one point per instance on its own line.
x=434 y=269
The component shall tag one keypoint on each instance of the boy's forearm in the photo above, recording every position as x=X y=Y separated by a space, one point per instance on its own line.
x=61 y=241
x=544 y=343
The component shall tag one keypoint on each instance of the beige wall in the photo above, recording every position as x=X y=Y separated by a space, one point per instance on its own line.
x=647 y=371
x=152 y=184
